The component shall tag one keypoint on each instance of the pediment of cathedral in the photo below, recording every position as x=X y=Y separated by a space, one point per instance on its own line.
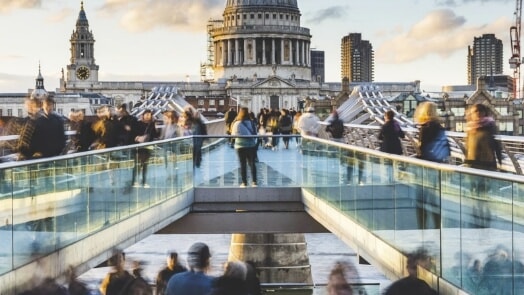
x=273 y=82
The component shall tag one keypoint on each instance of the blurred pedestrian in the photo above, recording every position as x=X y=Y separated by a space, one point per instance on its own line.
x=126 y=124
x=483 y=151
x=233 y=281
x=84 y=134
x=308 y=123
x=337 y=283
x=390 y=134
x=412 y=285
x=229 y=118
x=285 y=126
x=433 y=143
x=195 y=281
x=252 y=279
x=336 y=127
x=145 y=132
x=118 y=279
x=173 y=267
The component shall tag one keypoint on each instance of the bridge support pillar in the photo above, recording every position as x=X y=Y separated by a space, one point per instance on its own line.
x=279 y=258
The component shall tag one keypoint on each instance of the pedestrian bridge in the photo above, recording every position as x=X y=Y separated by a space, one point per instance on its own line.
x=74 y=209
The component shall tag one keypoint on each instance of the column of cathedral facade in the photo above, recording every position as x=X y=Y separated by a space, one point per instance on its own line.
x=244 y=51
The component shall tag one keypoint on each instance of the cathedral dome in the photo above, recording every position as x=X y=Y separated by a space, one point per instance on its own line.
x=272 y=3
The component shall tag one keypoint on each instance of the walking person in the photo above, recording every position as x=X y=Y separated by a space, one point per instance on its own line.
x=390 y=134
x=412 y=285
x=483 y=151
x=43 y=134
x=229 y=118
x=433 y=146
x=245 y=146
x=146 y=132
x=336 y=127
x=195 y=281
x=308 y=124
x=127 y=125
x=170 y=130
x=84 y=135
x=285 y=126
x=433 y=143
x=337 y=283
x=296 y=129
x=192 y=124
x=118 y=279
x=233 y=281
x=105 y=129
x=172 y=268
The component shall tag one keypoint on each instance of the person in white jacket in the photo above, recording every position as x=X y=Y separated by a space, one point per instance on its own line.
x=308 y=124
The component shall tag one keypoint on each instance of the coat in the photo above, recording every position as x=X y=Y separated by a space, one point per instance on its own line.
x=390 y=134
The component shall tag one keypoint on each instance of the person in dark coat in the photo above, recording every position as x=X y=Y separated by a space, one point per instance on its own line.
x=412 y=285
x=127 y=125
x=85 y=136
x=146 y=132
x=336 y=127
x=106 y=131
x=49 y=137
x=285 y=126
x=252 y=279
x=173 y=267
x=390 y=134
x=25 y=146
x=233 y=281
x=118 y=279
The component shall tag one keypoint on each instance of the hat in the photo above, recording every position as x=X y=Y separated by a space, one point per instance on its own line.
x=310 y=109
x=198 y=255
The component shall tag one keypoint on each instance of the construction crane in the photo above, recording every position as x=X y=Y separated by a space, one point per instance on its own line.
x=515 y=60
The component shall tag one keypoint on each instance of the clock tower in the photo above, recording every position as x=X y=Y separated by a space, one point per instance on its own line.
x=82 y=73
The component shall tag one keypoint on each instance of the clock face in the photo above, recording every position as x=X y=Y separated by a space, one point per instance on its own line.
x=82 y=73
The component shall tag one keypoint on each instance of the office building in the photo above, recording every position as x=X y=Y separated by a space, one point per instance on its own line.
x=485 y=57
x=318 y=66
x=357 y=59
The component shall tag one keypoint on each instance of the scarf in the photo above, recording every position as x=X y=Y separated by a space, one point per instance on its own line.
x=477 y=124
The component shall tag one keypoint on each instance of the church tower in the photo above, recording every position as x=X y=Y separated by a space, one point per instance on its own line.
x=39 y=92
x=82 y=73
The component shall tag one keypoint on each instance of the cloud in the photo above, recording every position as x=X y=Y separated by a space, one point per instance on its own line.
x=440 y=33
x=334 y=12
x=180 y=15
x=10 y=57
x=60 y=15
x=435 y=23
x=9 y=5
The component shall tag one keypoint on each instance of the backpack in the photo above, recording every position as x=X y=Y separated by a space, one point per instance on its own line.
x=438 y=150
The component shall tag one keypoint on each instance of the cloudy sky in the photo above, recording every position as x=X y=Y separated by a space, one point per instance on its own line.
x=164 y=40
